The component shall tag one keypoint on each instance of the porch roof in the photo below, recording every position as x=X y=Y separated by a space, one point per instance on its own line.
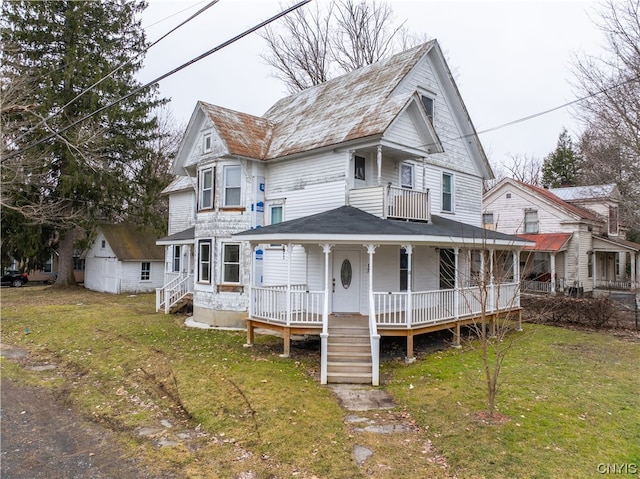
x=182 y=237
x=547 y=242
x=347 y=224
x=613 y=244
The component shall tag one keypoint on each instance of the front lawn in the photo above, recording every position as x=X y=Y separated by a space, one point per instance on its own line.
x=571 y=399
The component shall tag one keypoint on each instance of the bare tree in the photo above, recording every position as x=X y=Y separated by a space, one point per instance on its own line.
x=299 y=51
x=364 y=33
x=312 y=46
x=611 y=110
x=525 y=168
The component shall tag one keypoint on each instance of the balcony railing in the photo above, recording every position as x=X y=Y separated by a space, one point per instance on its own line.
x=392 y=202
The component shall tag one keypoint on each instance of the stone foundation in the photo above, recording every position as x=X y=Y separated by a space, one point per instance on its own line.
x=220 y=319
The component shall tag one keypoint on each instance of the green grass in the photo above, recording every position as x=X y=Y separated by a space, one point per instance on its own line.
x=572 y=399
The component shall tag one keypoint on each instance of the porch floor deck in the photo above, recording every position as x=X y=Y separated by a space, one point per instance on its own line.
x=399 y=330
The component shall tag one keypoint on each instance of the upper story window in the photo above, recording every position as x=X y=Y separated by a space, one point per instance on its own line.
x=407 y=175
x=359 y=168
x=447 y=192
x=232 y=185
x=487 y=220
x=277 y=214
x=613 y=220
x=205 y=200
x=206 y=142
x=428 y=103
x=531 y=221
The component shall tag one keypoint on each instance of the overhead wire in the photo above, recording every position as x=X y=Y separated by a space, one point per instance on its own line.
x=118 y=68
x=160 y=78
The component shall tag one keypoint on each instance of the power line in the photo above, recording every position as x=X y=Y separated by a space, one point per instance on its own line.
x=161 y=77
x=118 y=68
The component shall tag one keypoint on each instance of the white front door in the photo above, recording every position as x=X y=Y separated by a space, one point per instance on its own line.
x=346 y=281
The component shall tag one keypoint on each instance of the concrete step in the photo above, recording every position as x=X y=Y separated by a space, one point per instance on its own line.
x=349 y=378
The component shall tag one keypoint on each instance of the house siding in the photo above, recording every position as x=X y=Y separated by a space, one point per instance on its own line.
x=182 y=206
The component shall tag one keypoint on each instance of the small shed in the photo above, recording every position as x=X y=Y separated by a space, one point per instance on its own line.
x=124 y=258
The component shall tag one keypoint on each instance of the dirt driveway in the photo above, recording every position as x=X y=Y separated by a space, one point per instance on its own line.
x=41 y=437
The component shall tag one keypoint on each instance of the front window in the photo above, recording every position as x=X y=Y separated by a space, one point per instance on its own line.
x=206 y=189
x=145 y=271
x=531 y=221
x=176 y=259
x=406 y=175
x=232 y=189
x=231 y=263
x=487 y=220
x=590 y=264
x=447 y=192
x=447 y=269
x=204 y=261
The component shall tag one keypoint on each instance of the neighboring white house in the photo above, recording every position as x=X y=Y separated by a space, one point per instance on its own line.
x=356 y=201
x=579 y=245
x=124 y=259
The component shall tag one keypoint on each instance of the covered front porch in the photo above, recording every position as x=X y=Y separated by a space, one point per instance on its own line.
x=614 y=264
x=366 y=277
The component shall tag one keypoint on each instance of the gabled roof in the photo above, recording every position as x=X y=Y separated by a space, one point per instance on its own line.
x=356 y=105
x=548 y=196
x=347 y=223
x=547 y=242
x=243 y=134
x=576 y=193
x=132 y=243
x=618 y=242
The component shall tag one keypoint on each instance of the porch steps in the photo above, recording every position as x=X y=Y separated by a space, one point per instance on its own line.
x=181 y=303
x=349 y=351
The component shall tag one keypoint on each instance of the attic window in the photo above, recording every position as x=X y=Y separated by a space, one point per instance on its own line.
x=428 y=105
x=508 y=195
x=206 y=142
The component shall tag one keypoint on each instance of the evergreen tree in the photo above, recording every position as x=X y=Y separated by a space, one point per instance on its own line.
x=62 y=186
x=561 y=167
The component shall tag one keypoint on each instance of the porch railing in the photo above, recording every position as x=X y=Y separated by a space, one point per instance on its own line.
x=177 y=288
x=614 y=284
x=270 y=303
x=396 y=309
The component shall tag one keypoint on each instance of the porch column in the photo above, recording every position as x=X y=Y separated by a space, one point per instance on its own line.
x=324 y=335
x=633 y=257
x=379 y=164
x=491 y=300
x=552 y=258
x=409 y=313
x=349 y=175
x=456 y=283
x=373 y=330
x=595 y=269
x=288 y=284
x=516 y=280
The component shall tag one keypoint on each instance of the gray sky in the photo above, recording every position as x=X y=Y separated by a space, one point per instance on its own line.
x=511 y=59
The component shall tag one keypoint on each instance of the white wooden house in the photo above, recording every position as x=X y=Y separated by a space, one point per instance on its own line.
x=579 y=244
x=350 y=210
x=124 y=259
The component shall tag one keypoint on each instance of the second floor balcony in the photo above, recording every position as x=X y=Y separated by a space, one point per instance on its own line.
x=391 y=202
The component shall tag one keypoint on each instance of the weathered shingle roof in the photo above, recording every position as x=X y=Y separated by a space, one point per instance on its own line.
x=575 y=193
x=243 y=134
x=356 y=105
x=133 y=243
x=549 y=196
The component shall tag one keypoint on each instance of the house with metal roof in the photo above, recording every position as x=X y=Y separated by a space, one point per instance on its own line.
x=350 y=210
x=124 y=258
x=579 y=245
